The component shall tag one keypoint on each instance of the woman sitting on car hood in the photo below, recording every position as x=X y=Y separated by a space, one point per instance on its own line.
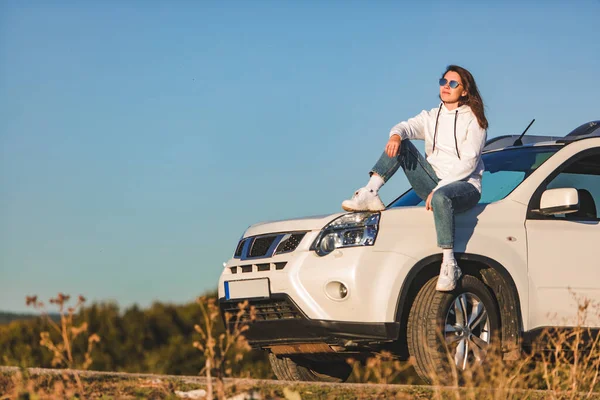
x=449 y=177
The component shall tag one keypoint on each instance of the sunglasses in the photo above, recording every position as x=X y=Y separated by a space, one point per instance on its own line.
x=452 y=84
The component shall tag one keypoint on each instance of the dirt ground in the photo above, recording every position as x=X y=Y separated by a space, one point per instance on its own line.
x=43 y=383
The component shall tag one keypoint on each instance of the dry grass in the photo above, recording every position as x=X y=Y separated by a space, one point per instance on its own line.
x=228 y=347
x=129 y=386
x=383 y=368
x=59 y=340
x=562 y=364
x=55 y=385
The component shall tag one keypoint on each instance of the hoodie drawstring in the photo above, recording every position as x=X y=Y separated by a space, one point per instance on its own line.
x=455 y=141
x=436 y=130
x=436 y=125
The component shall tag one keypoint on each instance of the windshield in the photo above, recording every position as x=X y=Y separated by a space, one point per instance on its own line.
x=504 y=171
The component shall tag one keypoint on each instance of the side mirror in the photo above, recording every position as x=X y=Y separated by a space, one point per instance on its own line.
x=559 y=201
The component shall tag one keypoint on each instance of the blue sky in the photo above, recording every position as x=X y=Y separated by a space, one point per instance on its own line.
x=138 y=140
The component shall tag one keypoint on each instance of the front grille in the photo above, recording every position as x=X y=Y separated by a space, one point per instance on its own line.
x=246 y=268
x=240 y=247
x=261 y=245
x=290 y=243
x=264 y=246
x=280 y=265
x=259 y=267
x=263 y=267
x=264 y=310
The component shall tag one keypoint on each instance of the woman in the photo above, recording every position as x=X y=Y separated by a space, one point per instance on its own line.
x=449 y=178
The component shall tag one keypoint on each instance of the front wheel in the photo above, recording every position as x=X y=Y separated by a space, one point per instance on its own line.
x=451 y=330
x=302 y=369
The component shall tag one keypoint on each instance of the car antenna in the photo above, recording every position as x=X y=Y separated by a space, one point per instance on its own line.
x=519 y=142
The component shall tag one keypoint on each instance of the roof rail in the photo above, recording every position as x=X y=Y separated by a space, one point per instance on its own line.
x=587 y=130
x=509 y=140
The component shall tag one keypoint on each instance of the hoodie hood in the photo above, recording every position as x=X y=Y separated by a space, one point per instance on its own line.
x=461 y=110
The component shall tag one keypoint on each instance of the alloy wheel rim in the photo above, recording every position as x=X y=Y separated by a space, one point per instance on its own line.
x=467 y=330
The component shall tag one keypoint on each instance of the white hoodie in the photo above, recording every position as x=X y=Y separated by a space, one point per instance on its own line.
x=449 y=166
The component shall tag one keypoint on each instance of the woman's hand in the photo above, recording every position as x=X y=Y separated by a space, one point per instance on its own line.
x=428 y=202
x=392 y=146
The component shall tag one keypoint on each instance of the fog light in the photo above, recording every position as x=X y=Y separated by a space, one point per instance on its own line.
x=336 y=290
x=343 y=290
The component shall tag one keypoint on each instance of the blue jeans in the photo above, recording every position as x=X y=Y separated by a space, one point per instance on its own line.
x=447 y=201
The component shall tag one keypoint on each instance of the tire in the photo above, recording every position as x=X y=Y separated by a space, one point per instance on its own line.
x=301 y=369
x=435 y=314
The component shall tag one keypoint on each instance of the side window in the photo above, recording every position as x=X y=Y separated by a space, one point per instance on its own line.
x=583 y=175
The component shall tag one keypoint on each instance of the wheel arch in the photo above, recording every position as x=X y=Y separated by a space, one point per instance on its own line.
x=493 y=274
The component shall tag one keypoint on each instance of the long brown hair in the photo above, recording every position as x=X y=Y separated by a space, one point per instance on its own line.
x=473 y=98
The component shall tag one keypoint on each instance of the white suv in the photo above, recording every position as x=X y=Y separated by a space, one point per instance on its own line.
x=329 y=287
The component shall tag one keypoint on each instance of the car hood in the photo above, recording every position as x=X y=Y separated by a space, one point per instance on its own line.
x=290 y=225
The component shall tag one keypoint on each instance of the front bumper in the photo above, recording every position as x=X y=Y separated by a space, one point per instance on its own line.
x=278 y=320
x=373 y=280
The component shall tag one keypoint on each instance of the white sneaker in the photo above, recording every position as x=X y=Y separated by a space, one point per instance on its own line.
x=449 y=275
x=364 y=199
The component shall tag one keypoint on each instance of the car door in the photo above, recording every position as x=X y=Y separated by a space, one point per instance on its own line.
x=564 y=249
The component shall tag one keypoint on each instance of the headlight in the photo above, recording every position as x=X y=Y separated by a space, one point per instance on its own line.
x=356 y=229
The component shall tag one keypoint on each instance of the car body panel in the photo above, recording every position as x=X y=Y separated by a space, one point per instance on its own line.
x=537 y=255
x=291 y=225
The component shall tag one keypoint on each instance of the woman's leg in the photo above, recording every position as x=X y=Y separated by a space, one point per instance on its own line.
x=420 y=173
x=448 y=201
